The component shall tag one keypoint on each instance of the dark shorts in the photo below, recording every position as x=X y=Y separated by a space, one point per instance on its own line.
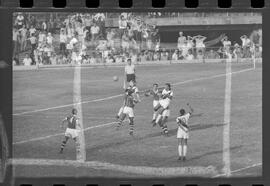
x=131 y=77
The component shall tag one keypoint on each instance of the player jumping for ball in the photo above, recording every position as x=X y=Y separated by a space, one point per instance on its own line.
x=71 y=130
x=128 y=111
x=135 y=91
x=182 y=132
x=163 y=108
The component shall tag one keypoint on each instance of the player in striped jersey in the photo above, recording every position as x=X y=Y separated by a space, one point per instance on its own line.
x=71 y=130
x=156 y=93
x=182 y=132
x=163 y=107
x=135 y=91
x=129 y=104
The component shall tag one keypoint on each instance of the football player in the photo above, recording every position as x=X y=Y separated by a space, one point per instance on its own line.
x=129 y=104
x=156 y=93
x=135 y=91
x=182 y=132
x=71 y=130
x=163 y=107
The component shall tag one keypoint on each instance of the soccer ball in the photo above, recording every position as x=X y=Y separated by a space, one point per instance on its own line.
x=115 y=78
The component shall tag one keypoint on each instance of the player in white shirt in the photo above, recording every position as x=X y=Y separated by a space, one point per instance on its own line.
x=156 y=93
x=130 y=71
x=182 y=132
x=163 y=107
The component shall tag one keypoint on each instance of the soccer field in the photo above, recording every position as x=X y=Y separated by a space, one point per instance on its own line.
x=42 y=98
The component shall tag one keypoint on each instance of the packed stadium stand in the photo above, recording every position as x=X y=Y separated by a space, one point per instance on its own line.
x=90 y=38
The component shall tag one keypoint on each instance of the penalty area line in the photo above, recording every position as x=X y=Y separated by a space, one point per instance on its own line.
x=116 y=96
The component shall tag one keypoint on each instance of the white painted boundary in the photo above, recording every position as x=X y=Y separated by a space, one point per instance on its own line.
x=150 y=171
x=239 y=170
x=140 y=170
x=116 y=96
x=67 y=105
x=58 y=134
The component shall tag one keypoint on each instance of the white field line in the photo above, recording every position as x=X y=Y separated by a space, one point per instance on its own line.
x=67 y=105
x=116 y=96
x=58 y=134
x=227 y=120
x=141 y=170
x=239 y=170
x=106 y=124
x=154 y=171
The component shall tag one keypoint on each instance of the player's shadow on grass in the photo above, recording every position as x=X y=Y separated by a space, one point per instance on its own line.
x=172 y=132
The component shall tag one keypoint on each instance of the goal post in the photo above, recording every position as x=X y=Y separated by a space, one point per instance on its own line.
x=80 y=144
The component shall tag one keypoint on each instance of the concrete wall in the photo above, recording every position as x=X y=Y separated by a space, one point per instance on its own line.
x=199 y=19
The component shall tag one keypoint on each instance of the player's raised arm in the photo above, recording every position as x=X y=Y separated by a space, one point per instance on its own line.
x=78 y=123
x=63 y=122
x=191 y=110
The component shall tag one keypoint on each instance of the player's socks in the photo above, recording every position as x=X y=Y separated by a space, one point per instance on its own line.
x=165 y=129
x=131 y=129
x=119 y=123
x=154 y=115
x=120 y=111
x=158 y=118
x=180 y=151
x=63 y=146
x=184 y=150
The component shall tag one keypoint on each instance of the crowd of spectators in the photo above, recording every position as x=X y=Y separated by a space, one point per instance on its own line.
x=83 y=38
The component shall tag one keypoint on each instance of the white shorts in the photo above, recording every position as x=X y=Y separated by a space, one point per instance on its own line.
x=164 y=103
x=182 y=134
x=128 y=111
x=166 y=113
x=155 y=103
x=73 y=133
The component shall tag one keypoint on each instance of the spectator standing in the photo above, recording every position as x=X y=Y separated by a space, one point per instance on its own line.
x=23 y=33
x=226 y=44
x=181 y=41
x=49 y=39
x=94 y=32
x=122 y=25
x=32 y=30
x=44 y=26
x=125 y=42
x=110 y=40
x=42 y=37
x=246 y=43
x=20 y=21
x=33 y=42
x=63 y=41
x=15 y=37
x=237 y=51
x=200 y=46
x=175 y=55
